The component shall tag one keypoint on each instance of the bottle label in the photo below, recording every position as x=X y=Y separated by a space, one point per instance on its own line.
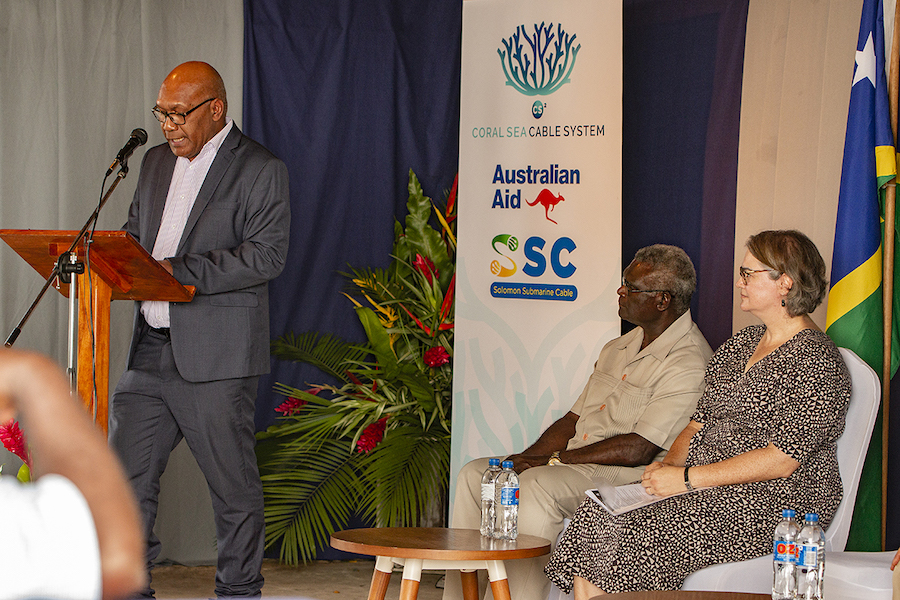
x=509 y=496
x=785 y=552
x=809 y=555
x=487 y=492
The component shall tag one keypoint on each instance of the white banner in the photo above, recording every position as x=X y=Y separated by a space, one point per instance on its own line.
x=539 y=256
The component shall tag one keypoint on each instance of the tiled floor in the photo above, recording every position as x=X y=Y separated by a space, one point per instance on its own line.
x=319 y=580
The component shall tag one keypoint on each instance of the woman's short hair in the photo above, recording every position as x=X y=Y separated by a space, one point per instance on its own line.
x=672 y=270
x=790 y=252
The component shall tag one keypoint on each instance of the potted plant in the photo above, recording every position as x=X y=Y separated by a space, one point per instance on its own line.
x=378 y=443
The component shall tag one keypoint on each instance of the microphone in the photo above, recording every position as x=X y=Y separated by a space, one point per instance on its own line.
x=138 y=138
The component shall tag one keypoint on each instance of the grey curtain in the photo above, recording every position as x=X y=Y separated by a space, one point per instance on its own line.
x=76 y=76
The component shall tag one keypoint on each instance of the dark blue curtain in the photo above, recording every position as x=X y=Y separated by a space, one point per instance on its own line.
x=351 y=95
x=683 y=66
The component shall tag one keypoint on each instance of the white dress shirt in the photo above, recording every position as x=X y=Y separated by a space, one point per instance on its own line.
x=187 y=179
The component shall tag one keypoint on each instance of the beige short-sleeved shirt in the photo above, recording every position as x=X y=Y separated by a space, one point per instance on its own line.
x=651 y=392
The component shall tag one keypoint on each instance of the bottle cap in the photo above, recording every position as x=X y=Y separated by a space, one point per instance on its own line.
x=507 y=464
x=812 y=517
x=494 y=462
x=788 y=513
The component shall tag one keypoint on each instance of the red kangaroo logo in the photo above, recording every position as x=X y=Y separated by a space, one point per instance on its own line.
x=548 y=201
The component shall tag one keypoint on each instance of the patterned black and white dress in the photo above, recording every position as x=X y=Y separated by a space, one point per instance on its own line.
x=796 y=398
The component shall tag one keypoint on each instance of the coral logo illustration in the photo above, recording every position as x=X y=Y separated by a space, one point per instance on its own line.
x=541 y=68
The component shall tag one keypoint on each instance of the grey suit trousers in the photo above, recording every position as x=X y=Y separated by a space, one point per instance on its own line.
x=153 y=408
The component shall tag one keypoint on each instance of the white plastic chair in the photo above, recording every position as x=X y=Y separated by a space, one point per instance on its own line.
x=755 y=575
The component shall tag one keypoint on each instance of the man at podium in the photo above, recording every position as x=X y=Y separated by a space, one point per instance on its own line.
x=212 y=206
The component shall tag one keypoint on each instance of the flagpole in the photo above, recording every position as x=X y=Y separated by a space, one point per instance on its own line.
x=888 y=276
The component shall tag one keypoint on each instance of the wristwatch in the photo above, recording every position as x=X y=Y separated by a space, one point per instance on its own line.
x=554 y=459
x=687 y=480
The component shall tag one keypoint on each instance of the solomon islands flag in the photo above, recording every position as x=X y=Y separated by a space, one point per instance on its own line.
x=854 y=318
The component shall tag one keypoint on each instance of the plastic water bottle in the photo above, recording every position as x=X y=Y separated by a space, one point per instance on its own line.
x=811 y=559
x=506 y=499
x=487 y=497
x=784 y=556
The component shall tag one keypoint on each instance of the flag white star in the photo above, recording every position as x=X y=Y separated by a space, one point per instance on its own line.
x=865 y=62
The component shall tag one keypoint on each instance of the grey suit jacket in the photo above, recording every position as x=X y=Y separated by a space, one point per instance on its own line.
x=234 y=242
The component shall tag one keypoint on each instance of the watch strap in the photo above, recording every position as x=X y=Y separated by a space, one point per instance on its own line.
x=687 y=480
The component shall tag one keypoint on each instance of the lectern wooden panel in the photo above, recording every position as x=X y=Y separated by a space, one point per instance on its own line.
x=120 y=269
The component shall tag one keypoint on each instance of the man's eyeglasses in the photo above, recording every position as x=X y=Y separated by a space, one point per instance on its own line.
x=745 y=273
x=177 y=118
x=633 y=290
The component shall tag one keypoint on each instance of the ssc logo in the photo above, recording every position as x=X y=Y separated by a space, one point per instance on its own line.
x=536 y=257
x=510 y=242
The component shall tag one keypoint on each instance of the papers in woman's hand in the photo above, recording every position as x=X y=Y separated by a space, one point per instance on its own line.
x=620 y=499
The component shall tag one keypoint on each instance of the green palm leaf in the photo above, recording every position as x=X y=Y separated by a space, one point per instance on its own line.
x=327 y=352
x=405 y=474
x=308 y=502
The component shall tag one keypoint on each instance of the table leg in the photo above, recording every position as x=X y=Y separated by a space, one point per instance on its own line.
x=499 y=582
x=381 y=578
x=412 y=574
x=469 y=584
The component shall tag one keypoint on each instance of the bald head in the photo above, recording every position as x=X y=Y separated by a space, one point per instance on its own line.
x=198 y=76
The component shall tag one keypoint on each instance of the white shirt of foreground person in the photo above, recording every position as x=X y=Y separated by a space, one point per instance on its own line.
x=48 y=544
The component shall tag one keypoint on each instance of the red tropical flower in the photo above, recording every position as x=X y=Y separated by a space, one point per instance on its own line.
x=292 y=405
x=435 y=357
x=421 y=325
x=14 y=440
x=423 y=265
x=371 y=436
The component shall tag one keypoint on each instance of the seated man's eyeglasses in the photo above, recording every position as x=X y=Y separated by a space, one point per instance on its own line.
x=633 y=290
x=177 y=118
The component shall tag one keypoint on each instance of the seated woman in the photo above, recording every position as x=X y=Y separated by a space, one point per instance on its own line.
x=763 y=439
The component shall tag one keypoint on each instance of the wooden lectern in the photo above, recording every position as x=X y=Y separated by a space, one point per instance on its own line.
x=120 y=269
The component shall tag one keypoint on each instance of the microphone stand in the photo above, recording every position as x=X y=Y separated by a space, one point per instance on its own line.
x=66 y=266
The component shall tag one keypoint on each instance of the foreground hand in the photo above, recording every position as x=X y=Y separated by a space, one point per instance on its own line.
x=896 y=560
x=663 y=480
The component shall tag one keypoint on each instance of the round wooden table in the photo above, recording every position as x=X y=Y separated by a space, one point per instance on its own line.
x=418 y=548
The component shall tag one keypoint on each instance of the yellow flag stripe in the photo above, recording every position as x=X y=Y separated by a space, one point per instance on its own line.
x=858 y=285
x=885 y=161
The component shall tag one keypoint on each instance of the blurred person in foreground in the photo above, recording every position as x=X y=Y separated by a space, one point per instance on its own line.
x=75 y=532
x=763 y=438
